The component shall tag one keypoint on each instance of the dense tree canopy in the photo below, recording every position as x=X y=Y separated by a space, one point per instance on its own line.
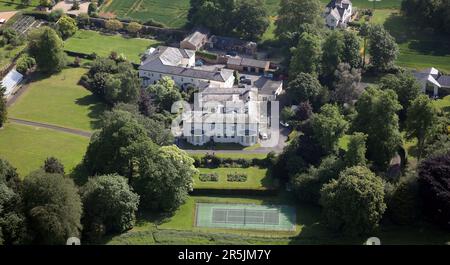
x=420 y=121
x=165 y=178
x=434 y=187
x=354 y=203
x=377 y=118
x=356 y=152
x=47 y=48
x=12 y=219
x=293 y=15
x=52 y=206
x=306 y=57
x=113 y=148
x=405 y=86
x=429 y=13
x=305 y=87
x=328 y=127
x=67 y=26
x=346 y=84
x=251 y=19
x=382 y=48
x=165 y=93
x=109 y=205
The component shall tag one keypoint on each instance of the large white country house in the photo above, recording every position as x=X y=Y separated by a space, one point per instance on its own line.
x=179 y=64
x=338 y=13
x=224 y=111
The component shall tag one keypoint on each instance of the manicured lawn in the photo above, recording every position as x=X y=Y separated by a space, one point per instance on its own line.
x=367 y=4
x=59 y=100
x=257 y=178
x=419 y=48
x=14 y=5
x=87 y=41
x=27 y=147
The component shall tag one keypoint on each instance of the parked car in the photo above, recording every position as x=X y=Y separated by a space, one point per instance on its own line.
x=263 y=136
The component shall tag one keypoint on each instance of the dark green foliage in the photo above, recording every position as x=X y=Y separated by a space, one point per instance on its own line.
x=47 y=48
x=108 y=202
x=306 y=57
x=165 y=177
x=236 y=177
x=12 y=219
x=377 y=118
x=305 y=87
x=354 y=203
x=404 y=205
x=52 y=165
x=25 y=63
x=405 y=86
x=164 y=93
x=53 y=208
x=356 y=153
x=213 y=177
x=434 y=187
x=382 y=48
x=430 y=13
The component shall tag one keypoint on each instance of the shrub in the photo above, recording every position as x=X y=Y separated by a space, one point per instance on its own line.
x=25 y=63
x=209 y=177
x=236 y=177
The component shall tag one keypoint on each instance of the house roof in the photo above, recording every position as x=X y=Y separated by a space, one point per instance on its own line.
x=248 y=62
x=168 y=60
x=196 y=38
x=444 y=80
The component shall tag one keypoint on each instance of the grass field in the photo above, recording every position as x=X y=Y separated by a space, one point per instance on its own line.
x=27 y=147
x=419 y=48
x=173 y=13
x=257 y=178
x=59 y=100
x=14 y=5
x=86 y=41
x=233 y=155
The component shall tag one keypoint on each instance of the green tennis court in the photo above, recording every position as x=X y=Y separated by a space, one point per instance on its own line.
x=246 y=216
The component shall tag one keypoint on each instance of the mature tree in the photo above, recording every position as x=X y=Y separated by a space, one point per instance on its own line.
x=12 y=219
x=356 y=152
x=304 y=111
x=352 y=49
x=67 y=26
x=307 y=185
x=405 y=86
x=52 y=165
x=377 y=117
x=294 y=14
x=113 y=148
x=165 y=178
x=354 y=203
x=434 y=179
x=429 y=13
x=134 y=27
x=3 y=108
x=52 y=206
x=109 y=205
x=305 y=87
x=47 y=48
x=382 y=48
x=404 y=205
x=213 y=14
x=306 y=57
x=420 y=120
x=346 y=84
x=332 y=53
x=328 y=127
x=287 y=114
x=165 y=93
x=113 y=25
x=251 y=19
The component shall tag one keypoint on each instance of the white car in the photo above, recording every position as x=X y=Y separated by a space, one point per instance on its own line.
x=263 y=136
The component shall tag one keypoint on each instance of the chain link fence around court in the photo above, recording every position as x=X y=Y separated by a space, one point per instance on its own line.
x=246 y=216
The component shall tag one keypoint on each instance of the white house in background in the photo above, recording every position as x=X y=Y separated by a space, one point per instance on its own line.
x=338 y=13
x=10 y=82
x=432 y=80
x=179 y=64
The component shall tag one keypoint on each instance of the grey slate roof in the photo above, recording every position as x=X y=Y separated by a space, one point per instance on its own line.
x=248 y=62
x=444 y=80
x=166 y=60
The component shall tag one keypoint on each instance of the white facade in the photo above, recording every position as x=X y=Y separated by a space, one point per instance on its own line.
x=338 y=13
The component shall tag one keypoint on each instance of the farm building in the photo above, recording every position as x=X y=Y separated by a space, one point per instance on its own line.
x=432 y=81
x=195 y=41
x=248 y=65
